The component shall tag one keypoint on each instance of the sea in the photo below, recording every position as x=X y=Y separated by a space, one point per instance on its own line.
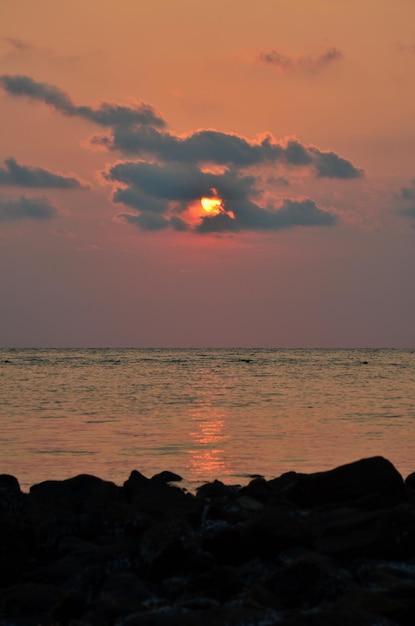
x=205 y=414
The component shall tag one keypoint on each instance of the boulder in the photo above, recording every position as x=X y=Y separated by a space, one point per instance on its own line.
x=375 y=475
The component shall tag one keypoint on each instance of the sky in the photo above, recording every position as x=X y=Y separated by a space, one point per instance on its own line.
x=222 y=173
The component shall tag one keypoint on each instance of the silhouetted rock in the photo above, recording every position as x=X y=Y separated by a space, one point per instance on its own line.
x=362 y=478
x=166 y=477
x=332 y=548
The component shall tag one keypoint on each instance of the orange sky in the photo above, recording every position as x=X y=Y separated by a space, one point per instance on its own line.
x=298 y=114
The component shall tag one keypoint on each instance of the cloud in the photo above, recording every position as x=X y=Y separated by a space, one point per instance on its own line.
x=159 y=192
x=331 y=165
x=407 y=197
x=22 y=176
x=107 y=114
x=139 y=130
x=146 y=220
x=250 y=216
x=18 y=44
x=163 y=187
x=227 y=149
x=305 y=64
x=16 y=209
x=175 y=182
x=408 y=193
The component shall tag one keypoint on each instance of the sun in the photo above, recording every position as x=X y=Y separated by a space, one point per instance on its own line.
x=212 y=206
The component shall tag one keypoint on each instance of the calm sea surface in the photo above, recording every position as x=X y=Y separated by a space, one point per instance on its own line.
x=204 y=414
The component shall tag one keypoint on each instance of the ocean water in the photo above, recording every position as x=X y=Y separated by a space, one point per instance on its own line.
x=205 y=414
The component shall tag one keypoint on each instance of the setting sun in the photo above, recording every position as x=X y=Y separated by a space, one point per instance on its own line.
x=211 y=205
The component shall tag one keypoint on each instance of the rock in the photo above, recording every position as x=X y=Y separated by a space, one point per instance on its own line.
x=258 y=489
x=219 y=583
x=166 y=477
x=227 y=545
x=74 y=495
x=156 y=497
x=30 y=601
x=274 y=530
x=16 y=531
x=333 y=548
x=168 y=547
x=410 y=481
x=349 y=482
x=123 y=593
x=388 y=533
x=216 y=489
x=161 y=617
x=307 y=582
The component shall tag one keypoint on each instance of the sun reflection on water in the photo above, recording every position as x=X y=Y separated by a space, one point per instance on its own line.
x=207 y=454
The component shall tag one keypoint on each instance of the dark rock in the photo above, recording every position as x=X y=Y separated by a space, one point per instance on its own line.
x=219 y=583
x=334 y=548
x=307 y=582
x=240 y=616
x=362 y=478
x=78 y=494
x=30 y=600
x=378 y=604
x=122 y=594
x=274 y=530
x=217 y=489
x=16 y=531
x=161 y=617
x=168 y=547
x=9 y=485
x=410 y=481
x=227 y=545
x=166 y=477
x=70 y=607
x=156 y=497
x=258 y=489
x=388 y=533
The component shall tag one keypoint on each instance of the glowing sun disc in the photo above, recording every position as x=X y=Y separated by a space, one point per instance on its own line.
x=211 y=205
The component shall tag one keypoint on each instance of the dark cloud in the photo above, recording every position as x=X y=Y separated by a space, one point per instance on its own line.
x=16 y=209
x=204 y=146
x=220 y=148
x=249 y=216
x=151 y=189
x=146 y=220
x=174 y=172
x=408 y=193
x=307 y=64
x=107 y=114
x=406 y=197
x=36 y=177
x=408 y=211
x=331 y=165
x=133 y=197
x=138 y=130
x=175 y=182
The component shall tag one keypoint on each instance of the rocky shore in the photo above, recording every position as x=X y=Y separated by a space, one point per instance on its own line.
x=334 y=548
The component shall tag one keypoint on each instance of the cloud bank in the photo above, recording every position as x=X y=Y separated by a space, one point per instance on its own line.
x=36 y=177
x=161 y=194
x=107 y=114
x=407 y=195
x=16 y=209
x=172 y=172
x=220 y=148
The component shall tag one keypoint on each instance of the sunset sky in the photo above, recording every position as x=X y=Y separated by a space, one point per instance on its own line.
x=222 y=173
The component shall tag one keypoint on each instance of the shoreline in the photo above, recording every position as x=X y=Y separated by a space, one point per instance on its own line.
x=333 y=547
